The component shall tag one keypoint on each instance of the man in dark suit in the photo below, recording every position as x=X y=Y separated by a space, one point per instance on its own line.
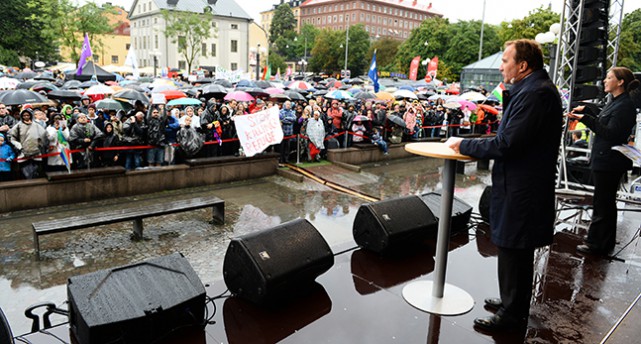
x=525 y=151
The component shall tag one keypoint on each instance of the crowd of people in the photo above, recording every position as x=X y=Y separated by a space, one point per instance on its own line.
x=152 y=135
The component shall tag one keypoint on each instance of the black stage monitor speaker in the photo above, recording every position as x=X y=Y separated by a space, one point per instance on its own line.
x=139 y=303
x=5 y=330
x=272 y=264
x=461 y=211
x=392 y=224
x=485 y=203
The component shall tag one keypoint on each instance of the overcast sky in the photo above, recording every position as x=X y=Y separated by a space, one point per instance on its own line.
x=496 y=10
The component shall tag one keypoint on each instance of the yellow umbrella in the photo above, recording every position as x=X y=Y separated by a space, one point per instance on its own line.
x=384 y=95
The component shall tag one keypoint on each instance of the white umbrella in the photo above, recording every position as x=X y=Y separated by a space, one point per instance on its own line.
x=8 y=83
x=405 y=94
x=473 y=96
x=99 y=89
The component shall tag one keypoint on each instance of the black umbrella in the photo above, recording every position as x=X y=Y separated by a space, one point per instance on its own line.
x=44 y=86
x=25 y=85
x=130 y=94
x=88 y=84
x=64 y=94
x=355 y=81
x=365 y=95
x=26 y=75
x=281 y=97
x=319 y=93
x=263 y=84
x=293 y=95
x=255 y=91
x=19 y=97
x=223 y=82
x=135 y=87
x=204 y=81
x=44 y=77
x=112 y=104
x=396 y=120
x=71 y=84
x=214 y=90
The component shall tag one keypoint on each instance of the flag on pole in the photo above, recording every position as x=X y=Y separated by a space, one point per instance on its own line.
x=288 y=73
x=432 y=69
x=85 y=55
x=267 y=73
x=498 y=92
x=278 y=74
x=63 y=147
x=373 y=72
x=132 y=61
x=414 y=67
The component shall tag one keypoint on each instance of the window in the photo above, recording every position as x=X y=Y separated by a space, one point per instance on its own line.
x=367 y=17
x=353 y=16
x=374 y=8
x=234 y=66
x=127 y=46
x=363 y=17
x=214 y=24
x=234 y=26
x=204 y=49
x=114 y=59
x=342 y=7
x=155 y=20
x=334 y=19
x=384 y=21
x=234 y=46
x=340 y=18
x=329 y=19
x=156 y=42
x=182 y=65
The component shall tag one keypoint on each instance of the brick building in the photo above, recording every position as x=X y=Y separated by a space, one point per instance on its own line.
x=381 y=18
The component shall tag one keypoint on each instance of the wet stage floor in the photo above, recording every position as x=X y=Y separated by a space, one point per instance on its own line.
x=577 y=299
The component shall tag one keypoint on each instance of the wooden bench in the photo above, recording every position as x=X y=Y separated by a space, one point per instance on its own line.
x=135 y=214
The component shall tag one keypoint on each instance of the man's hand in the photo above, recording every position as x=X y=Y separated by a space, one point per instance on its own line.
x=454 y=143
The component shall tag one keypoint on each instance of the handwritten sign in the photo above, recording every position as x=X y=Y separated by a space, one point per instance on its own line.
x=258 y=131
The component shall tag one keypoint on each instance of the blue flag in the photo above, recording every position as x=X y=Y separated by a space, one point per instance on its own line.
x=373 y=72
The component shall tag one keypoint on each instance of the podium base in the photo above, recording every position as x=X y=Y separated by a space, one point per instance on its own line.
x=455 y=301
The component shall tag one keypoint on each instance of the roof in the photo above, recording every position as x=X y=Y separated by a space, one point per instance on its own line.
x=409 y=4
x=490 y=62
x=221 y=8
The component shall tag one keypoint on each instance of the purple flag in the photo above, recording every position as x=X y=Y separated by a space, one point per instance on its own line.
x=85 y=55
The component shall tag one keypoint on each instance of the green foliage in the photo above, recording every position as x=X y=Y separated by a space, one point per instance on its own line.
x=276 y=61
x=463 y=47
x=538 y=20
x=25 y=33
x=630 y=41
x=283 y=24
x=188 y=30
x=329 y=56
x=386 y=49
x=434 y=31
x=304 y=42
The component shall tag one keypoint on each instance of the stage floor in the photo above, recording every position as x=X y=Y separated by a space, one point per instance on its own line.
x=577 y=299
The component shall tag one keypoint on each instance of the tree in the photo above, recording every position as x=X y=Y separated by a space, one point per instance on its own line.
x=433 y=31
x=630 y=41
x=326 y=52
x=283 y=23
x=276 y=62
x=188 y=30
x=304 y=42
x=386 y=49
x=537 y=20
x=357 y=61
x=24 y=33
x=463 y=46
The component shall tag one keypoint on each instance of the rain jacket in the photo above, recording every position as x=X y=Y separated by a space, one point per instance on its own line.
x=79 y=132
x=29 y=139
x=6 y=153
x=315 y=130
x=523 y=177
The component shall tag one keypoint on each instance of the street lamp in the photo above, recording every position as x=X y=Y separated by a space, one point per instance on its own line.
x=302 y=64
x=155 y=54
x=549 y=39
x=346 y=50
x=258 y=62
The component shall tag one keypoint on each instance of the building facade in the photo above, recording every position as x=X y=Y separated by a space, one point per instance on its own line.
x=267 y=16
x=227 y=46
x=381 y=18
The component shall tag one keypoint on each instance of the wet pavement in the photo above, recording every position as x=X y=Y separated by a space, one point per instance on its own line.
x=576 y=299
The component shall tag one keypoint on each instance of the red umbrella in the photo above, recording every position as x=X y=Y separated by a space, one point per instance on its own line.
x=489 y=108
x=173 y=94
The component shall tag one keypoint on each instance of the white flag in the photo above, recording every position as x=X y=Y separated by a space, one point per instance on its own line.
x=132 y=61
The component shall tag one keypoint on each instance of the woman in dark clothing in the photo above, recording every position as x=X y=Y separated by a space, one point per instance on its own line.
x=109 y=157
x=612 y=127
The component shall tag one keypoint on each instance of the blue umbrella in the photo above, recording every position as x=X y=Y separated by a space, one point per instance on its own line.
x=407 y=87
x=184 y=101
x=339 y=94
x=246 y=83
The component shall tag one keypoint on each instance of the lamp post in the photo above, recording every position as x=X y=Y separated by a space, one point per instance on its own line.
x=549 y=39
x=258 y=62
x=346 y=51
x=155 y=54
